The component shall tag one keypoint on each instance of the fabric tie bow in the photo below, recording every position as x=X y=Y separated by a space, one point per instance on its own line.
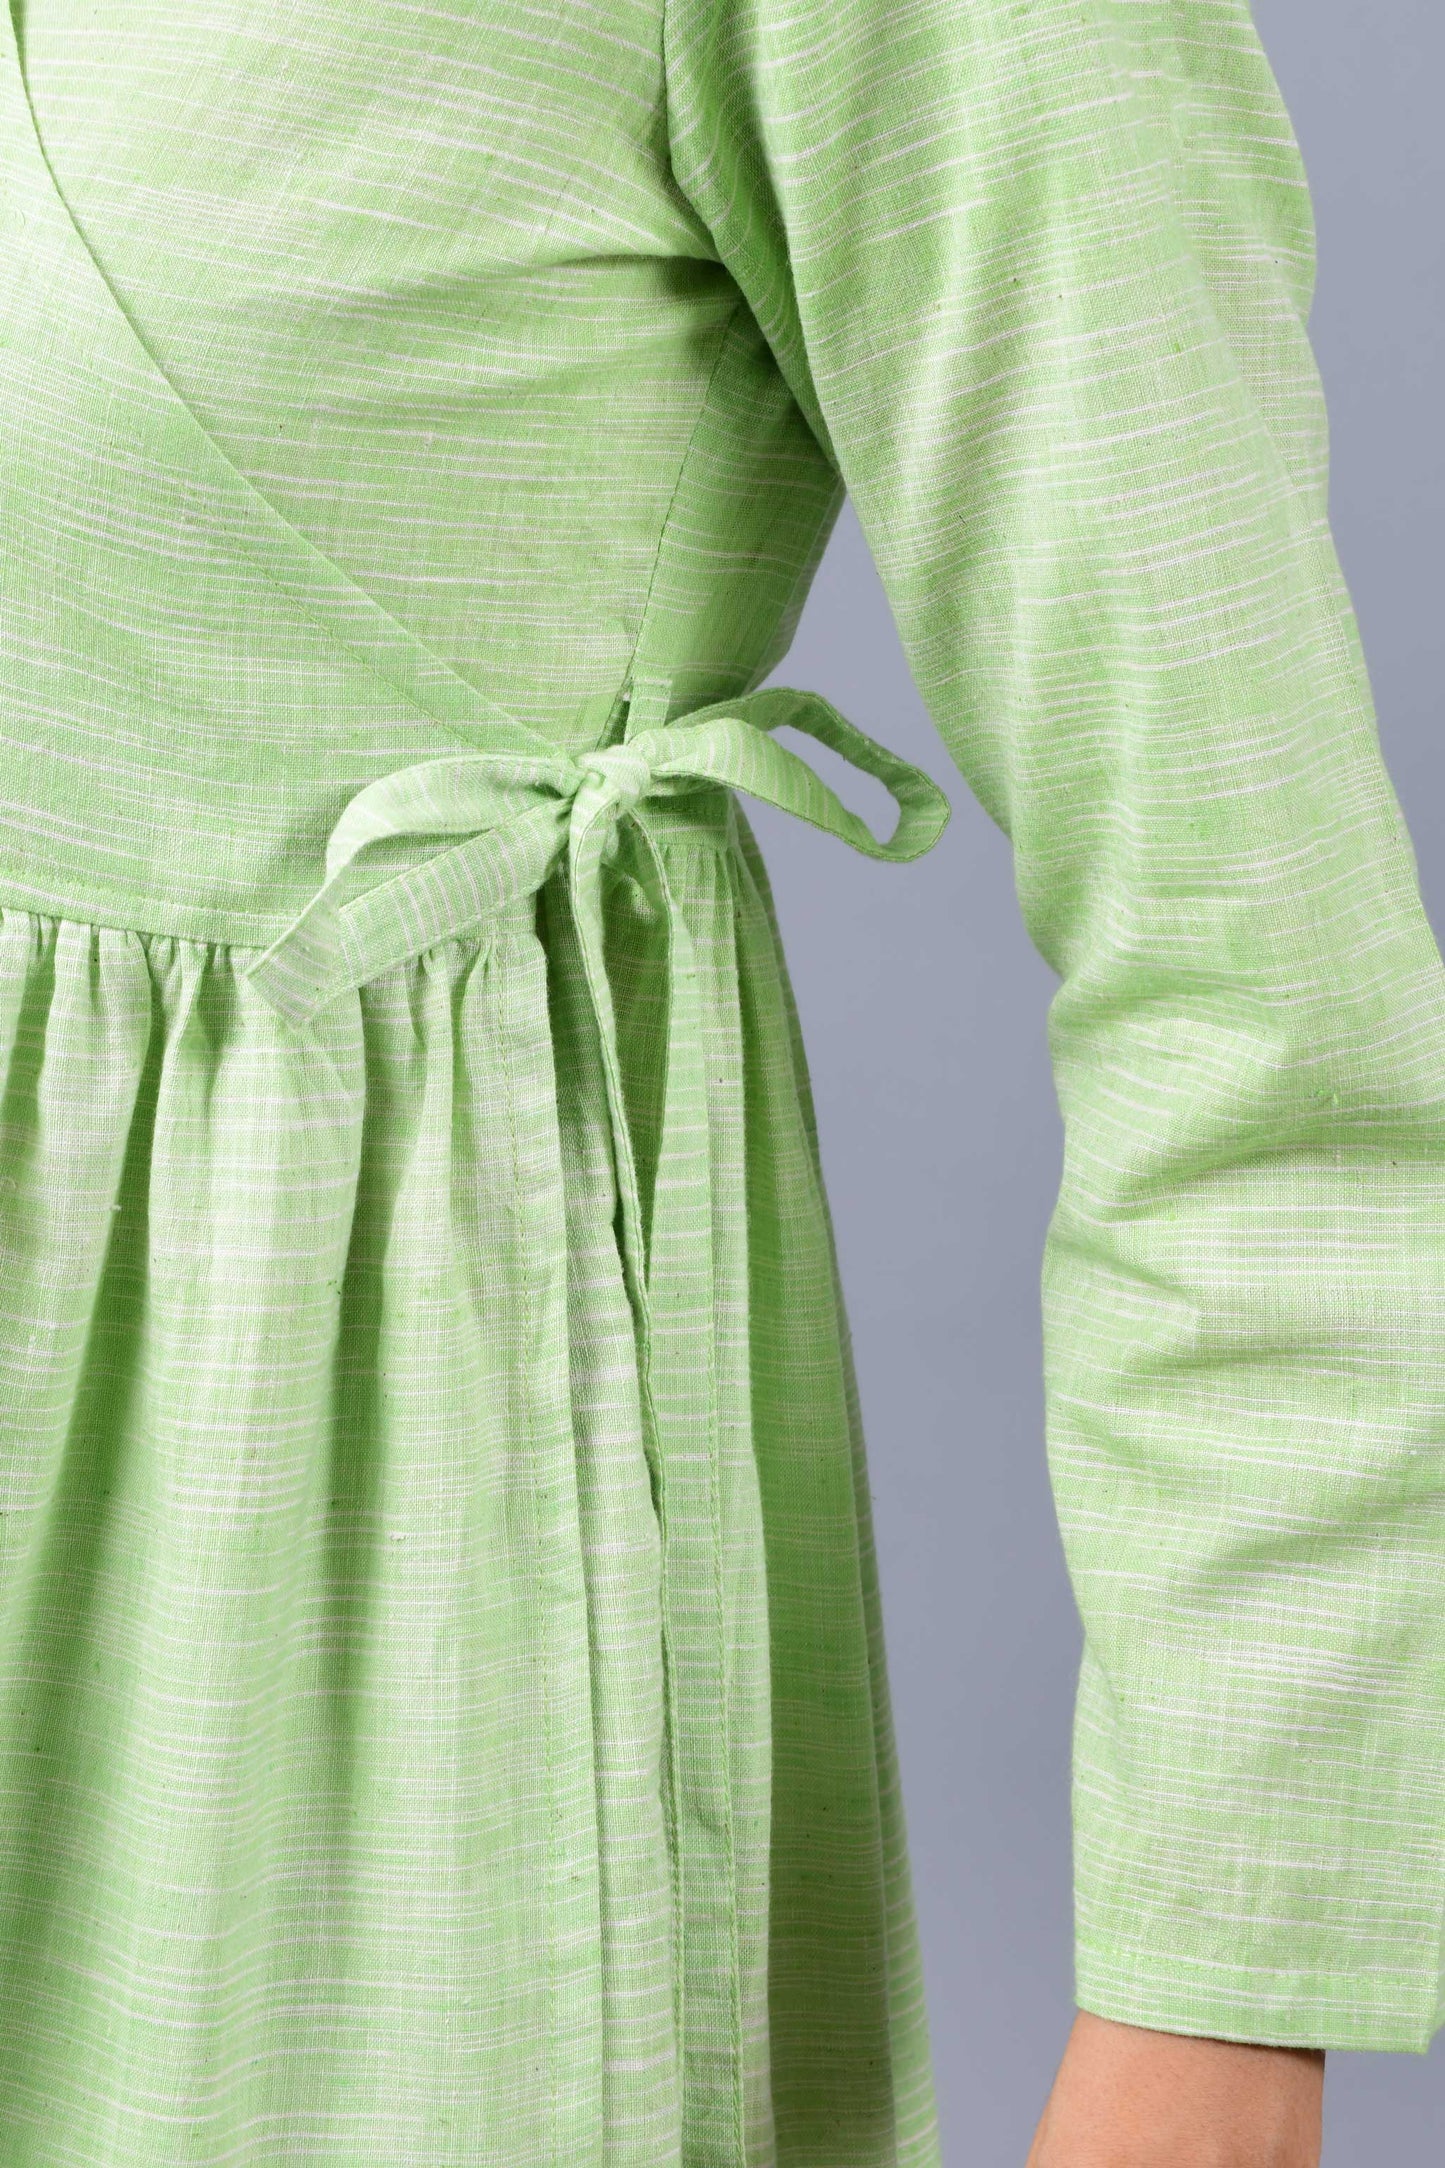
x=521 y=814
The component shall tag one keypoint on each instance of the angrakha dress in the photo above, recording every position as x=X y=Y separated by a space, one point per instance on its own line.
x=442 y=1709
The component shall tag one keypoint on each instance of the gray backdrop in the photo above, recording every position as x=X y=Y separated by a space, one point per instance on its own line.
x=924 y=1009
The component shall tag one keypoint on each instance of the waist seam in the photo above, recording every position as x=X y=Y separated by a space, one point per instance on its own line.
x=210 y=926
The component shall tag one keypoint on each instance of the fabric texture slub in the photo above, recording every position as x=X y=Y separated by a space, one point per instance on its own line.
x=443 y=1714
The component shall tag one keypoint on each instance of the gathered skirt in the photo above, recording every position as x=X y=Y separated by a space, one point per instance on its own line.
x=336 y=1823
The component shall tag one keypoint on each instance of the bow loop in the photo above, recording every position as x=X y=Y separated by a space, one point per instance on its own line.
x=476 y=831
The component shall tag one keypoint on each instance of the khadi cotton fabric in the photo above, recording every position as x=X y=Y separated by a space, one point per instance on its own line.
x=443 y=1712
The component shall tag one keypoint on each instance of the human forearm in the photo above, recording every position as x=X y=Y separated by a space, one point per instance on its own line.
x=1125 y=2097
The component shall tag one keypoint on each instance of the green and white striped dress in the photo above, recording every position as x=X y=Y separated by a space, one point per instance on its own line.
x=442 y=1710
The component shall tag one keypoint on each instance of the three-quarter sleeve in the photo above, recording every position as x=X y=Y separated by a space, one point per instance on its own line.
x=1037 y=271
